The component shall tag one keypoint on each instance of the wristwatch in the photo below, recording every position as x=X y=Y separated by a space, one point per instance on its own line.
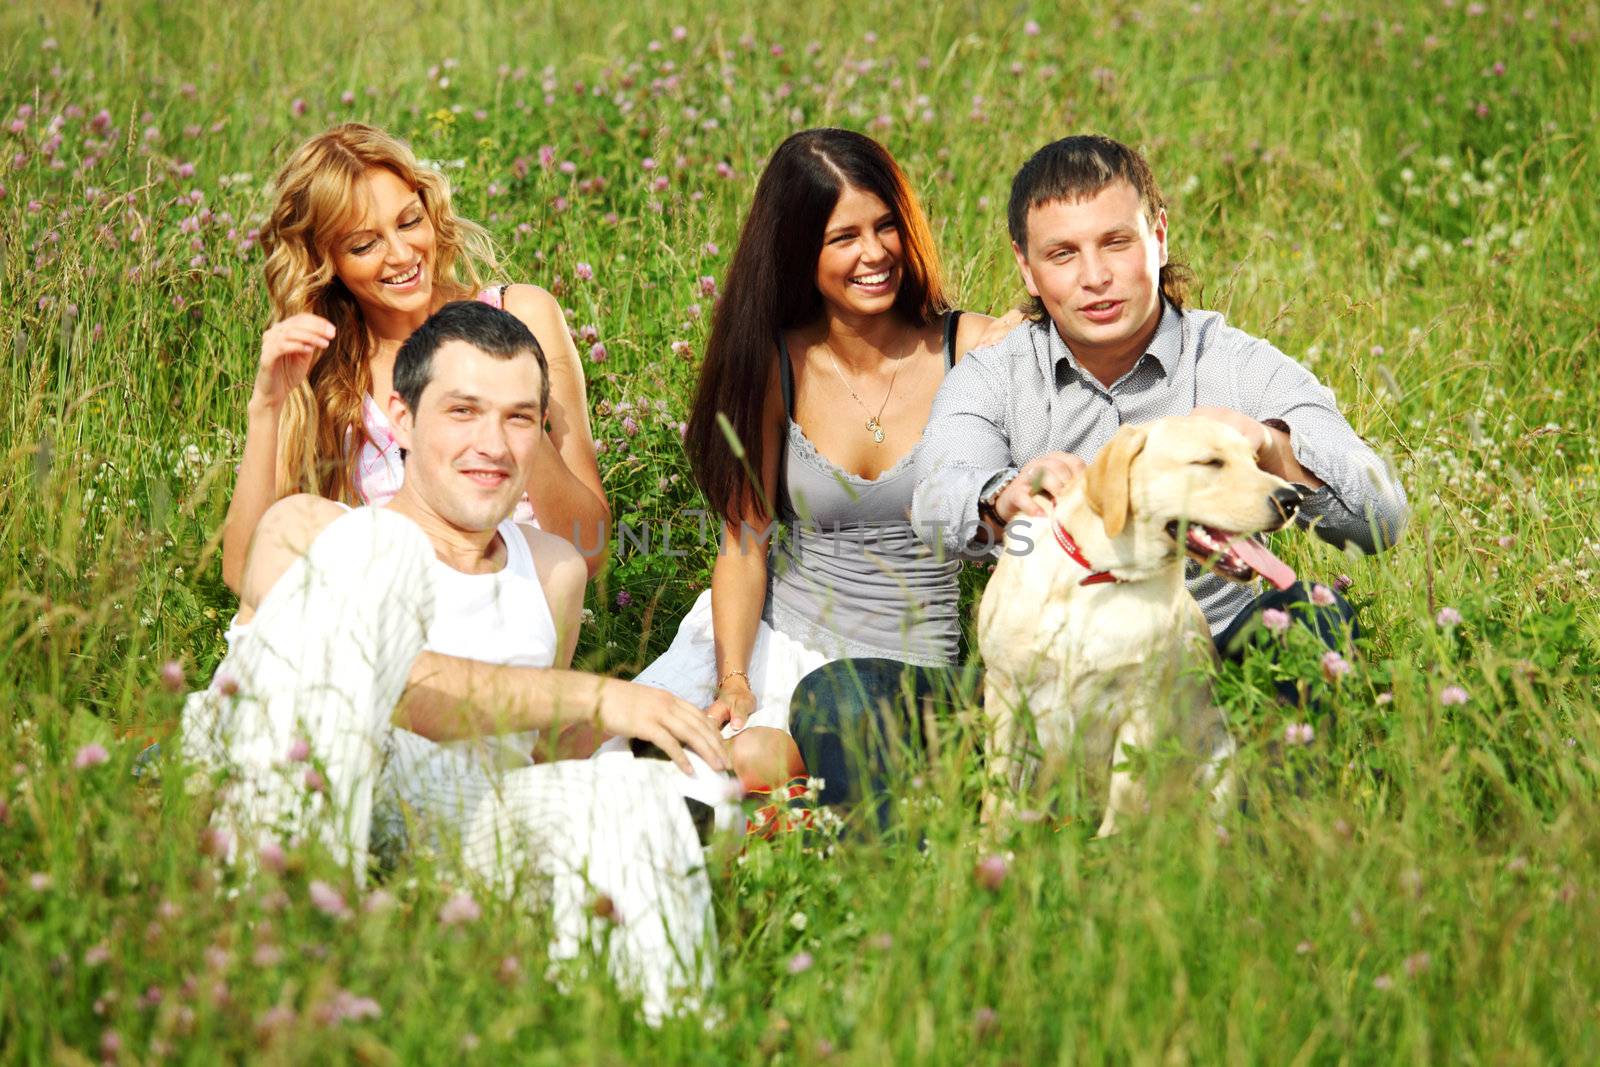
x=991 y=492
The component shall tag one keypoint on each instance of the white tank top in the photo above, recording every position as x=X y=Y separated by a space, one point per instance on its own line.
x=500 y=618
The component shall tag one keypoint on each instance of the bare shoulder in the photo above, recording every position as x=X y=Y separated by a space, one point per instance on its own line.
x=774 y=414
x=560 y=566
x=541 y=313
x=295 y=521
x=533 y=305
x=971 y=326
x=282 y=536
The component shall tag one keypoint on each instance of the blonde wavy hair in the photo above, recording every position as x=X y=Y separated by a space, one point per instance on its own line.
x=318 y=195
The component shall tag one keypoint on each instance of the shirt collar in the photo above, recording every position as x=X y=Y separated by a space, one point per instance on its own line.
x=1166 y=347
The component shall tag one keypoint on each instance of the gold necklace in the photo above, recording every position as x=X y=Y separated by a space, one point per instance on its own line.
x=874 y=422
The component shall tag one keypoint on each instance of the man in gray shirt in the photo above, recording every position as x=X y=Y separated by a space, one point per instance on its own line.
x=1112 y=344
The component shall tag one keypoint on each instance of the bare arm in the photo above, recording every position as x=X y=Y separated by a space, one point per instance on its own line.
x=284 y=533
x=254 y=491
x=738 y=593
x=739 y=577
x=563 y=579
x=1278 y=458
x=288 y=349
x=448 y=699
x=564 y=483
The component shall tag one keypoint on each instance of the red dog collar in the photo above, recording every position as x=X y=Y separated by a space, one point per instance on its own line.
x=1070 y=547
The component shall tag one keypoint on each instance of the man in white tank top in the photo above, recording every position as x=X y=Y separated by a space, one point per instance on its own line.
x=388 y=664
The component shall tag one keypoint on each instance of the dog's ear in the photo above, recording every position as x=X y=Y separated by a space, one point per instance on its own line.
x=1106 y=480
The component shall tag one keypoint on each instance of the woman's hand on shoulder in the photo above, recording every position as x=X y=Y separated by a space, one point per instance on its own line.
x=986 y=331
x=288 y=351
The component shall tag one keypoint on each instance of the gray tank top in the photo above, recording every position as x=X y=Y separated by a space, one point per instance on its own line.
x=849 y=576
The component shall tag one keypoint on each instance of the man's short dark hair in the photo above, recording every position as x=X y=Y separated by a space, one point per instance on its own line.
x=1079 y=167
x=498 y=333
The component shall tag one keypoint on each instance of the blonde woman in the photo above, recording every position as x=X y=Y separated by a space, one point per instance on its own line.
x=362 y=246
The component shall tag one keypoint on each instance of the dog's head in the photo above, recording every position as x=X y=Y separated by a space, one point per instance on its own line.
x=1193 y=482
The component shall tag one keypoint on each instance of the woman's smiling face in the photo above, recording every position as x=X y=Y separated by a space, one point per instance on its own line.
x=859 y=268
x=386 y=257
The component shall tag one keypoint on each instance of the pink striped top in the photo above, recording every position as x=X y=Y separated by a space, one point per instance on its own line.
x=379 y=469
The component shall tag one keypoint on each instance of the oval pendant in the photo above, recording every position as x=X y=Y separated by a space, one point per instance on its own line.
x=872 y=425
x=877 y=435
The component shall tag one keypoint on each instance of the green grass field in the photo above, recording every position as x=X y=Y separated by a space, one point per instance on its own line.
x=1403 y=196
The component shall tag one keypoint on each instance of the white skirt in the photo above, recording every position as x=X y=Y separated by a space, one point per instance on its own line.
x=688 y=669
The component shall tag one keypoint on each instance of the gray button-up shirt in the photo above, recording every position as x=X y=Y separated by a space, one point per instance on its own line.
x=1027 y=395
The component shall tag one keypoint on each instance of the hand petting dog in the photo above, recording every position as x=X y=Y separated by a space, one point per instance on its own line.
x=1044 y=478
x=1272 y=448
x=1038 y=482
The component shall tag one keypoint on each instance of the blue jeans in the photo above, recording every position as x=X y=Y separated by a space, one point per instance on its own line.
x=1331 y=623
x=853 y=719
x=851 y=722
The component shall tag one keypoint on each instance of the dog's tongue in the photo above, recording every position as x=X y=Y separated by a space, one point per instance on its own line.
x=1263 y=562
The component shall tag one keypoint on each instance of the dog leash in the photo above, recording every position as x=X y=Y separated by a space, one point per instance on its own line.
x=1070 y=547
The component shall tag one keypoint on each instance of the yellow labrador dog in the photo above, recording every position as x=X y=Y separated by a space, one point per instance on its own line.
x=1092 y=632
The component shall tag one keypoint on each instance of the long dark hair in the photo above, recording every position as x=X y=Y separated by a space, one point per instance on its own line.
x=771 y=287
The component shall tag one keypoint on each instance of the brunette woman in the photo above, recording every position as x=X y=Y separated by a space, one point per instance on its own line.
x=832 y=336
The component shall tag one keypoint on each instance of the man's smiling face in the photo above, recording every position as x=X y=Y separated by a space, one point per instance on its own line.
x=472 y=440
x=1095 y=263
